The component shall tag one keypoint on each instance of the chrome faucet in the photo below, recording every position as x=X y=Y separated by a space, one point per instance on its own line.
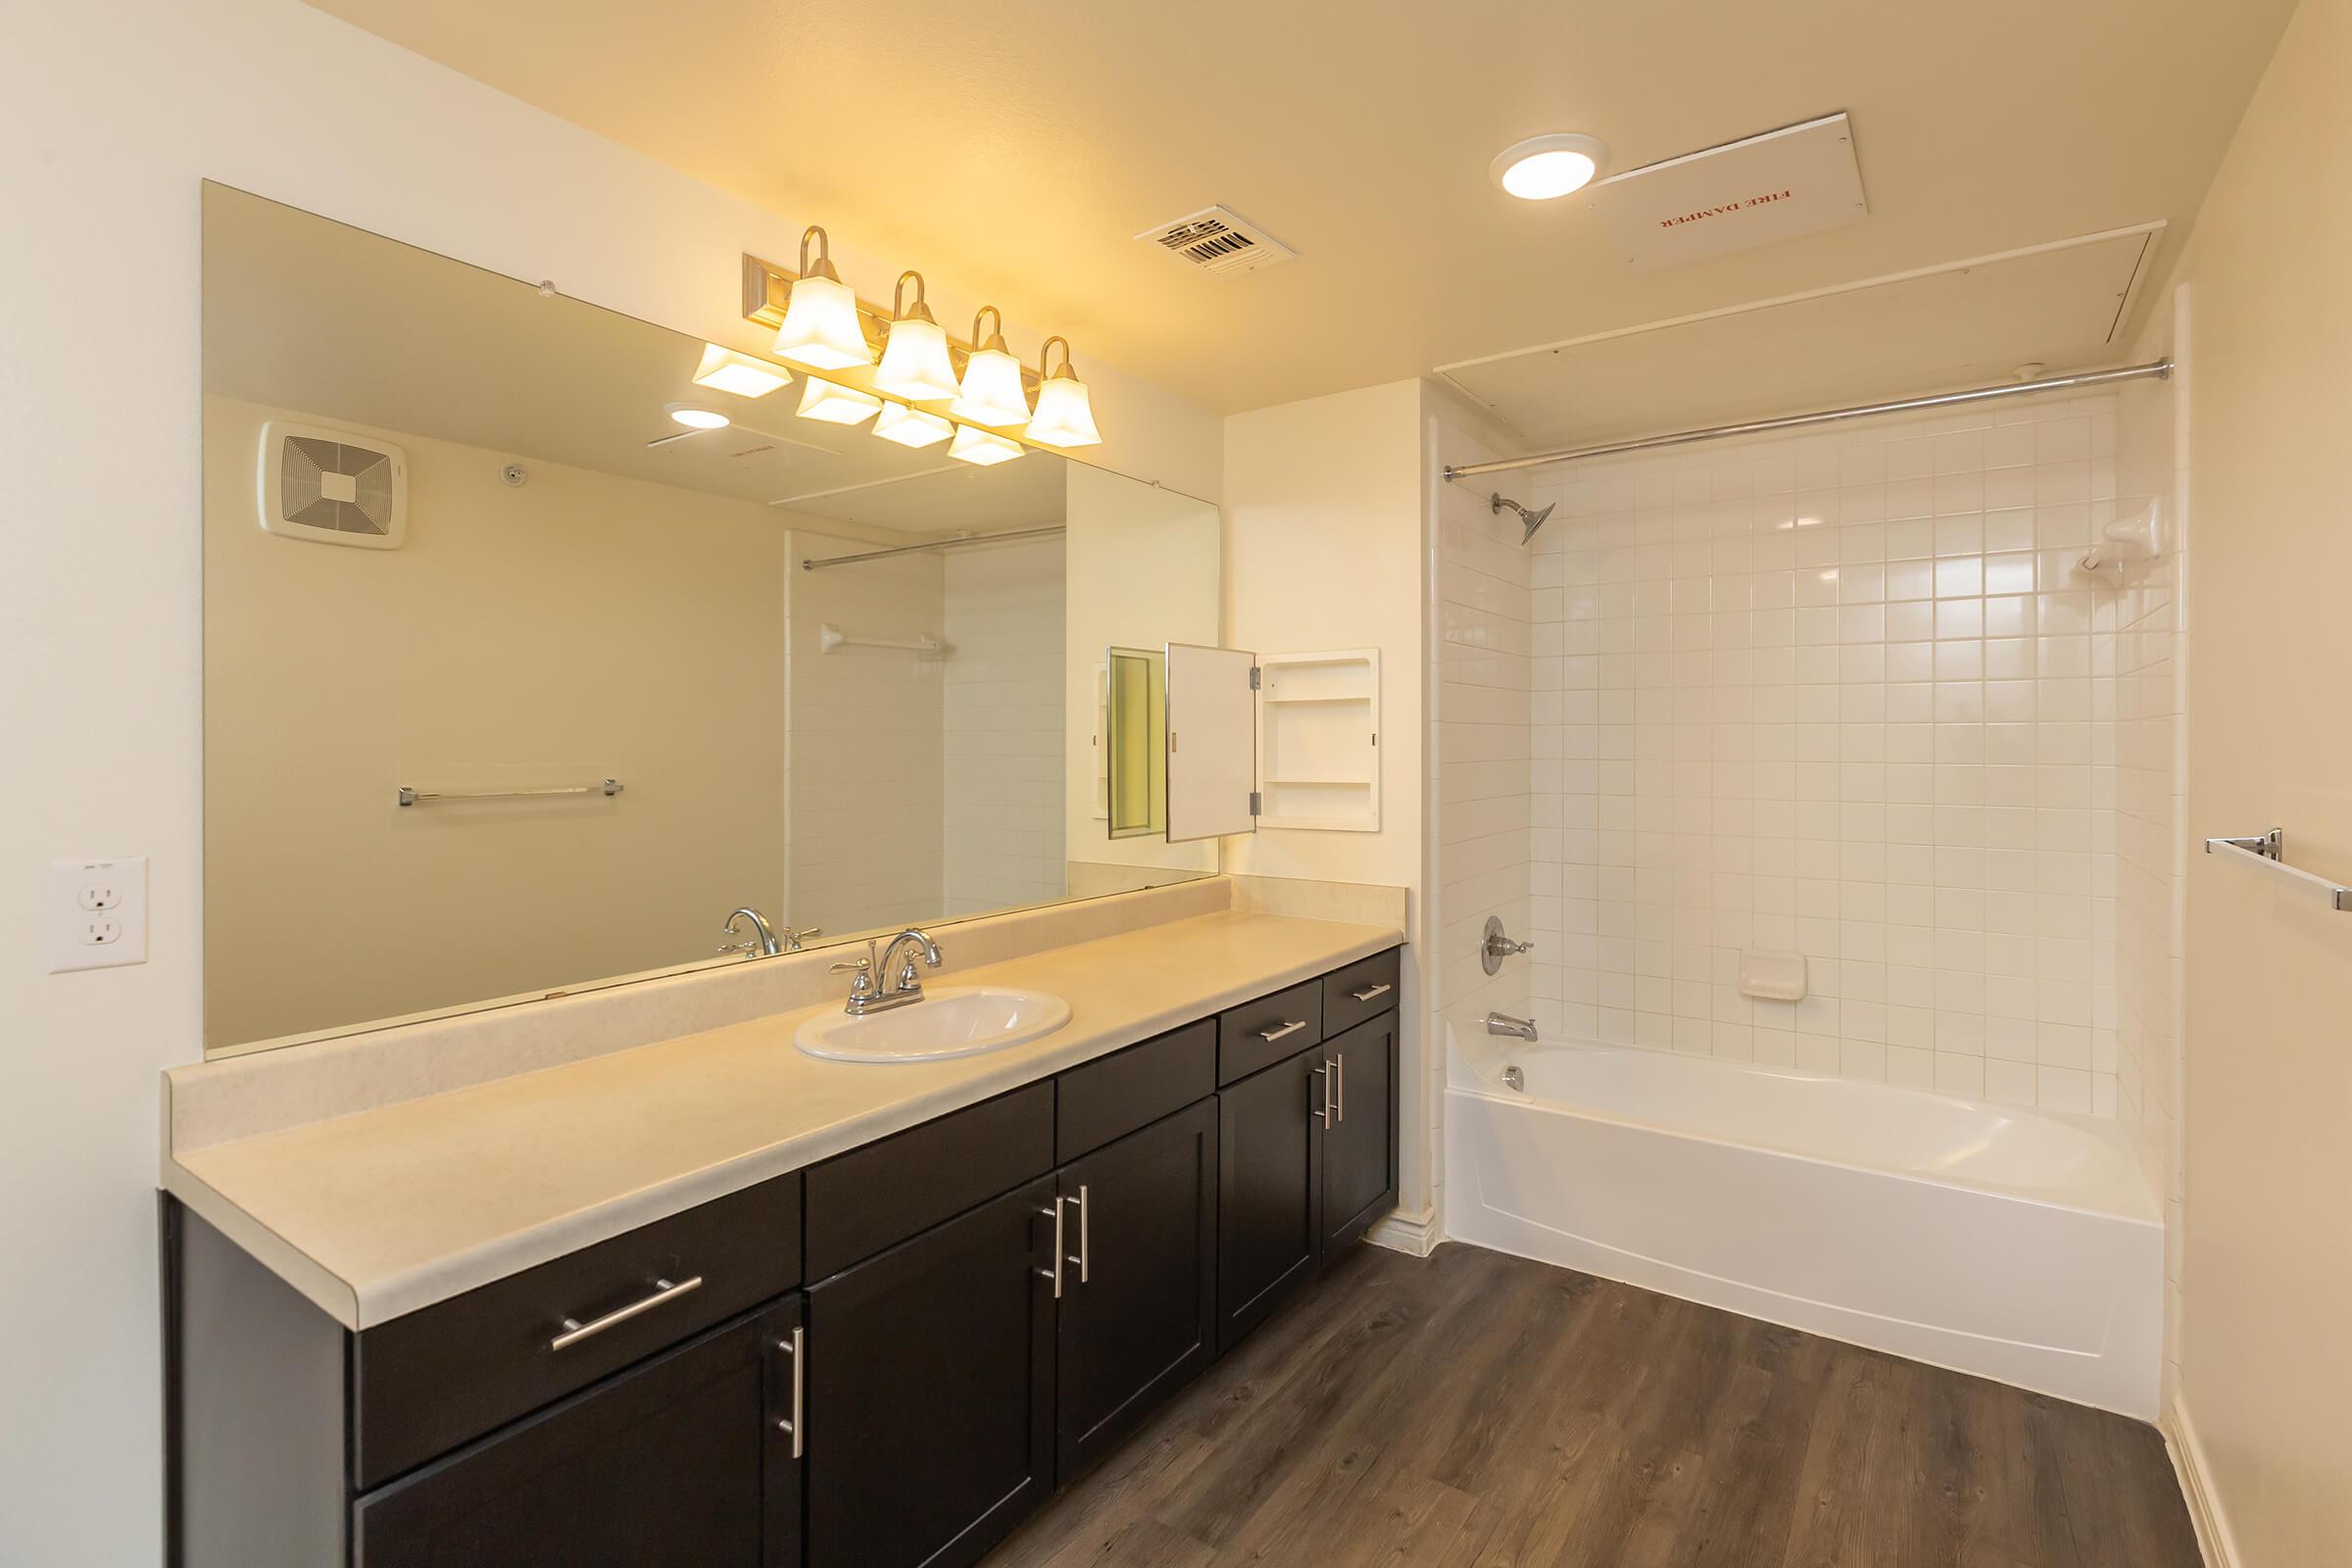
x=875 y=987
x=763 y=940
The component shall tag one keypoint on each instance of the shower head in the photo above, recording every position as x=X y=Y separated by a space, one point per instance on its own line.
x=1532 y=519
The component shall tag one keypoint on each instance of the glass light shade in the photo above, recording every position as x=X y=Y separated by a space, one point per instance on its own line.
x=979 y=447
x=911 y=427
x=725 y=371
x=993 y=393
x=820 y=327
x=915 y=362
x=836 y=405
x=1065 y=415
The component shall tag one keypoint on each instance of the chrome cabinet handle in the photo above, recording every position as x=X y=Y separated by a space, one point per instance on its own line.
x=1338 y=1078
x=1282 y=1032
x=792 y=1348
x=574 y=1331
x=1084 y=1250
x=1323 y=1072
x=1369 y=992
x=1054 y=1273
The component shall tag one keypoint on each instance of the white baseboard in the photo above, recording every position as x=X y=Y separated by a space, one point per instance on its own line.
x=2196 y=1486
x=1399 y=1232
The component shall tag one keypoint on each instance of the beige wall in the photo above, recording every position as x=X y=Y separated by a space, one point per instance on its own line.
x=131 y=105
x=2265 y=1361
x=578 y=627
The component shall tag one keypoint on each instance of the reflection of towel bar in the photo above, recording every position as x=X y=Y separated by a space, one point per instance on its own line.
x=411 y=797
x=2267 y=854
x=830 y=637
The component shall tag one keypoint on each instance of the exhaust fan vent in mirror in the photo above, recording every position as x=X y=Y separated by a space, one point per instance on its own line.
x=337 y=487
x=1219 y=241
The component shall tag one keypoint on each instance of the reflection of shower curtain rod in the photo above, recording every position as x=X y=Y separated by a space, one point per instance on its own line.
x=814 y=562
x=1795 y=421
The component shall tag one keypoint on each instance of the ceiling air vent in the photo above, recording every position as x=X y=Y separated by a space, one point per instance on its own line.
x=1219 y=241
x=332 y=486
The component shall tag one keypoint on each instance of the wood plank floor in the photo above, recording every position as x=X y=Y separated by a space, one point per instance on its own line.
x=1477 y=1409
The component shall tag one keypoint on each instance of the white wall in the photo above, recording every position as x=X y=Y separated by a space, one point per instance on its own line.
x=114 y=110
x=1003 y=713
x=1325 y=550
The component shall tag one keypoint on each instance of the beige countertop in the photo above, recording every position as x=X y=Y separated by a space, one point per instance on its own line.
x=386 y=1210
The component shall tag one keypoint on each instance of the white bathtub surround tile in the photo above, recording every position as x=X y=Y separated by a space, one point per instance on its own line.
x=1847 y=693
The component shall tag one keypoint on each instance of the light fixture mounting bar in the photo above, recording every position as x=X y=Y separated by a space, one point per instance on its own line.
x=768 y=287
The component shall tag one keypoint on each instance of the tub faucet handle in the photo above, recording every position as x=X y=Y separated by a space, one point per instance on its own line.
x=1495 y=945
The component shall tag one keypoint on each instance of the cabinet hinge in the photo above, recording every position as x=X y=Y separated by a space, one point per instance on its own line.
x=1257 y=802
x=1255 y=677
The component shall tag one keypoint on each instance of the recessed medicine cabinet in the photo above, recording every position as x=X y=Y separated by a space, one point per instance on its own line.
x=1271 y=740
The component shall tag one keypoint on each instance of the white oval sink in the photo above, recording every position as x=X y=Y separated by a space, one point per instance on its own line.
x=950 y=1021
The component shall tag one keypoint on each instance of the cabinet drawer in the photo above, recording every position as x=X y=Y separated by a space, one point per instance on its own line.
x=878 y=1196
x=1364 y=990
x=425 y=1383
x=1132 y=1088
x=1259 y=1034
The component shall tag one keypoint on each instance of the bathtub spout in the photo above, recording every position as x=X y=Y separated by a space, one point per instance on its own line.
x=1502 y=1024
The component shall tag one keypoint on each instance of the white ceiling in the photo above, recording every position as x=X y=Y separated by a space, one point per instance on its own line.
x=1012 y=151
x=307 y=313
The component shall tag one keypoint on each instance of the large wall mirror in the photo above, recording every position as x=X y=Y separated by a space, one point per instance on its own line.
x=515 y=684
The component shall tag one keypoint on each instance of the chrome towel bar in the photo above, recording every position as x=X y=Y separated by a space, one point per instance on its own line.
x=413 y=796
x=2267 y=852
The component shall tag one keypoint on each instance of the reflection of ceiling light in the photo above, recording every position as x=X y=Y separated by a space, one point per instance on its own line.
x=1065 y=413
x=1541 y=167
x=914 y=361
x=911 y=427
x=822 y=329
x=694 y=419
x=725 y=371
x=979 y=447
x=993 y=393
x=836 y=405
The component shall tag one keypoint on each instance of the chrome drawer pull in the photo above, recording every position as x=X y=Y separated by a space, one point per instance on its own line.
x=574 y=1331
x=792 y=1348
x=1054 y=1273
x=1369 y=992
x=1084 y=1250
x=1323 y=1072
x=1281 y=1032
x=1338 y=1078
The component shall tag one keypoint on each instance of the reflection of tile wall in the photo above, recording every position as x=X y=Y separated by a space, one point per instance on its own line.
x=1845 y=694
x=1478 y=801
x=864 y=803
x=1006 y=621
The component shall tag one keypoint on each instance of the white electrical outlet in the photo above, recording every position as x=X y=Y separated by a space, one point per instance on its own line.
x=97 y=914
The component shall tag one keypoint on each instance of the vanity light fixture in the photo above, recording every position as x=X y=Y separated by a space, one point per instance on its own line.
x=982 y=449
x=696 y=418
x=992 y=393
x=911 y=427
x=822 y=329
x=835 y=404
x=1543 y=168
x=1065 y=413
x=725 y=371
x=915 y=359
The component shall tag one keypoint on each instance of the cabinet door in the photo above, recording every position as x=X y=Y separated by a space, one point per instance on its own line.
x=1139 y=1310
x=671 y=1462
x=1270 y=1218
x=1359 y=1152
x=929 y=1417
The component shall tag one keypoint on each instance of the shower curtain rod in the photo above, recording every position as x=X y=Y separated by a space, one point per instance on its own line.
x=2158 y=369
x=811 y=563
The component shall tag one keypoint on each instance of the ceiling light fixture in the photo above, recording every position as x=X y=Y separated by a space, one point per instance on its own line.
x=694 y=419
x=981 y=447
x=911 y=427
x=1065 y=413
x=1543 y=168
x=725 y=371
x=822 y=329
x=835 y=404
x=914 y=359
x=992 y=393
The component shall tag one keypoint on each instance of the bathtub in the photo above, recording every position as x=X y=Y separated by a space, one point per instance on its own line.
x=2004 y=1242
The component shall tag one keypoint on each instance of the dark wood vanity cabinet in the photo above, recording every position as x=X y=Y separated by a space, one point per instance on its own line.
x=995 y=1299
